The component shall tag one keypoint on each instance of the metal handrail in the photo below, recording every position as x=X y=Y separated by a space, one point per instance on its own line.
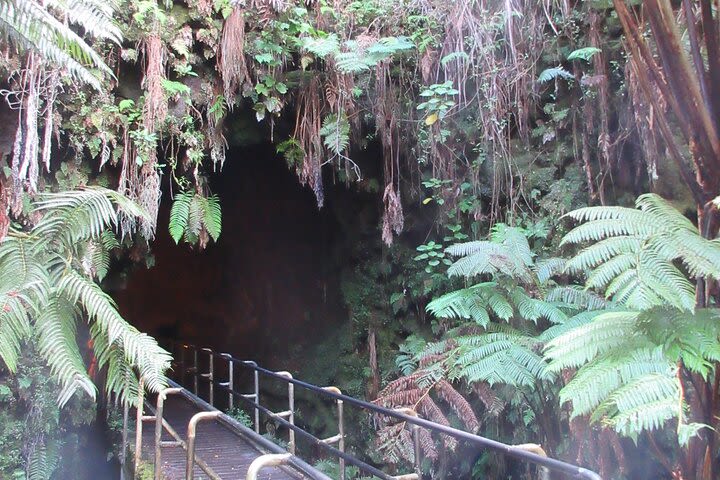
x=259 y=441
x=518 y=452
x=269 y=460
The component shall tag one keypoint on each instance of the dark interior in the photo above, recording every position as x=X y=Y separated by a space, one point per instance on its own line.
x=269 y=284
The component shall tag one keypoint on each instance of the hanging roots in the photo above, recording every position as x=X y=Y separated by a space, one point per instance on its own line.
x=393 y=219
x=129 y=184
x=4 y=208
x=156 y=105
x=149 y=198
x=231 y=55
x=308 y=123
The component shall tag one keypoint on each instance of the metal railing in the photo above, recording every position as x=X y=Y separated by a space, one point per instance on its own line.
x=276 y=457
x=530 y=453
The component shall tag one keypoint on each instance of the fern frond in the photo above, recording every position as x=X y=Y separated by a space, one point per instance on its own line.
x=548 y=268
x=335 y=132
x=466 y=303
x=500 y=306
x=14 y=326
x=122 y=380
x=701 y=257
x=649 y=416
x=55 y=326
x=351 y=62
x=595 y=382
x=179 y=213
x=575 y=296
x=577 y=320
x=694 y=338
x=141 y=351
x=212 y=217
x=23 y=290
x=640 y=226
x=671 y=219
x=78 y=215
x=191 y=213
x=485 y=257
x=592 y=214
x=43 y=461
x=604 y=333
x=322 y=47
x=32 y=26
x=502 y=356
x=514 y=240
x=602 y=251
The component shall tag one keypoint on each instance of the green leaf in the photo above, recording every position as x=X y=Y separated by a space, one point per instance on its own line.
x=553 y=73
x=585 y=53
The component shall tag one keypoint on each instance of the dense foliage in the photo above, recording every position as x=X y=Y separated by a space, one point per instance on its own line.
x=474 y=125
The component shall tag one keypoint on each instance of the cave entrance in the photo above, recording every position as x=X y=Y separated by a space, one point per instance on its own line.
x=270 y=284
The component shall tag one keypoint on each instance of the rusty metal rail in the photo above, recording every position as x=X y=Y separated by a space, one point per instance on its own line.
x=530 y=453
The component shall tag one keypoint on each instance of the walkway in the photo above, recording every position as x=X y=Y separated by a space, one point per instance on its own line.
x=228 y=453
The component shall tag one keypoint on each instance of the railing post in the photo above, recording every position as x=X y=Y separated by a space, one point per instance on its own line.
x=269 y=460
x=340 y=437
x=415 y=430
x=537 y=450
x=257 y=401
x=341 y=443
x=290 y=412
x=123 y=453
x=159 y=428
x=210 y=375
x=256 y=393
x=229 y=384
x=416 y=444
x=191 y=434
x=195 y=370
x=181 y=364
x=138 y=425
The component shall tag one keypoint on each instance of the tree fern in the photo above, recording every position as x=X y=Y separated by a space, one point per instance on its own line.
x=46 y=287
x=500 y=355
x=32 y=25
x=549 y=267
x=322 y=46
x=634 y=252
x=627 y=363
x=507 y=252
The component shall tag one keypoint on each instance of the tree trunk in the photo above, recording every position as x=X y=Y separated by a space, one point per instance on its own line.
x=374 y=385
x=691 y=93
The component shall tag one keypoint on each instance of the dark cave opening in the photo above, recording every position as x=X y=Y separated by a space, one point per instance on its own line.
x=272 y=283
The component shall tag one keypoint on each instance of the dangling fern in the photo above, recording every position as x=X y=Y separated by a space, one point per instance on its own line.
x=193 y=215
x=336 y=133
x=43 y=461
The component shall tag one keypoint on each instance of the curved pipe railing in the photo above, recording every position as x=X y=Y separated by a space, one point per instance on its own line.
x=521 y=453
